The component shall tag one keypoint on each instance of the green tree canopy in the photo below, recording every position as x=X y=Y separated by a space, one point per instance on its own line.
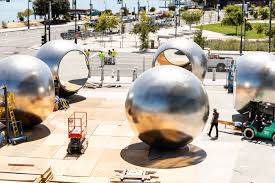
x=143 y=29
x=125 y=11
x=192 y=16
x=106 y=21
x=233 y=16
x=172 y=7
x=152 y=9
x=59 y=7
x=24 y=14
x=264 y=12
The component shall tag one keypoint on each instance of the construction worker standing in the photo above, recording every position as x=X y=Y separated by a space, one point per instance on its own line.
x=88 y=54
x=214 y=123
x=114 y=54
x=101 y=58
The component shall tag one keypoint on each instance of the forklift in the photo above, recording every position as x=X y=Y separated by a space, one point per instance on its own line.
x=14 y=130
x=261 y=121
x=77 y=131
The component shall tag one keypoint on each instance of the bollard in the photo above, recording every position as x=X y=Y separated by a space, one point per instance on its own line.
x=102 y=63
x=134 y=75
x=113 y=73
x=102 y=75
x=118 y=76
x=143 y=64
x=214 y=74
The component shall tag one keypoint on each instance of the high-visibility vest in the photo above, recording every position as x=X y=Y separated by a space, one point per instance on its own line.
x=101 y=56
x=114 y=53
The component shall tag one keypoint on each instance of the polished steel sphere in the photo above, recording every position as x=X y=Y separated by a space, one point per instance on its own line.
x=255 y=80
x=167 y=107
x=188 y=55
x=68 y=64
x=31 y=83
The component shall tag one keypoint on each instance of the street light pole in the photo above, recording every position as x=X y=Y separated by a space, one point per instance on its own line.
x=122 y=11
x=138 y=8
x=241 y=43
x=49 y=19
x=218 y=7
x=91 y=9
x=29 y=14
x=75 y=23
x=270 y=21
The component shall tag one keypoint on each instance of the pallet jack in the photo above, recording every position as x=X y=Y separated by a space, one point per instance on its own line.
x=14 y=129
x=77 y=131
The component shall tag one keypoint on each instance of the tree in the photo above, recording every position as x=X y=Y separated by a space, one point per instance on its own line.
x=172 y=7
x=143 y=29
x=233 y=16
x=152 y=9
x=106 y=22
x=259 y=29
x=248 y=26
x=192 y=16
x=125 y=11
x=264 y=12
x=199 y=39
x=59 y=7
x=108 y=11
x=21 y=15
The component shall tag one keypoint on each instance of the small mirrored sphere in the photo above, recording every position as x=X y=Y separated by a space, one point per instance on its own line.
x=167 y=107
x=30 y=82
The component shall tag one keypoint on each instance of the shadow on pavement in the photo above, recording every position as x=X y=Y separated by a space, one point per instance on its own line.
x=76 y=98
x=37 y=132
x=140 y=155
x=261 y=141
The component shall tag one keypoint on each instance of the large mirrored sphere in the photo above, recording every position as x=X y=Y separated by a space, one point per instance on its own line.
x=255 y=80
x=167 y=107
x=31 y=83
x=182 y=53
x=68 y=64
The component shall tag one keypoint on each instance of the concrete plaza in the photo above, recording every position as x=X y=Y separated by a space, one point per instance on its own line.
x=113 y=145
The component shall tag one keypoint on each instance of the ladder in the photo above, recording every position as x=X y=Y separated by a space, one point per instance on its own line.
x=12 y=116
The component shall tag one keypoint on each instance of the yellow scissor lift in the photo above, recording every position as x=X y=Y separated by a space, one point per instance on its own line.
x=14 y=130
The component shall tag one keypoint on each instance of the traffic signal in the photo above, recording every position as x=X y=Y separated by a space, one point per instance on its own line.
x=43 y=39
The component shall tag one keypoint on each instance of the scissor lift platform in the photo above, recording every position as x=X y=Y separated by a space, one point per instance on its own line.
x=77 y=130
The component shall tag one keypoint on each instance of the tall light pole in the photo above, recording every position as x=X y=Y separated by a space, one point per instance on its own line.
x=91 y=9
x=148 y=6
x=218 y=8
x=241 y=43
x=29 y=14
x=49 y=19
x=138 y=4
x=270 y=29
x=75 y=23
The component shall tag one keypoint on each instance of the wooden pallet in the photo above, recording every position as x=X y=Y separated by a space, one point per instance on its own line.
x=24 y=173
x=135 y=176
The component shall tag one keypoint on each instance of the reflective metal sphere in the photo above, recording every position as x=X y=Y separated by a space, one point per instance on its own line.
x=255 y=80
x=192 y=58
x=31 y=82
x=68 y=64
x=167 y=107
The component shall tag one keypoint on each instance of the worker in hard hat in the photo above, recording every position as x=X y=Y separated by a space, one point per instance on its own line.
x=101 y=56
x=114 y=54
x=88 y=54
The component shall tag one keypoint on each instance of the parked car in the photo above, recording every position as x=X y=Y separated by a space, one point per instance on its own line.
x=219 y=62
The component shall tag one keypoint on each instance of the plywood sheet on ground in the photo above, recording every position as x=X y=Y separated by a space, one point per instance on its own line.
x=17 y=177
